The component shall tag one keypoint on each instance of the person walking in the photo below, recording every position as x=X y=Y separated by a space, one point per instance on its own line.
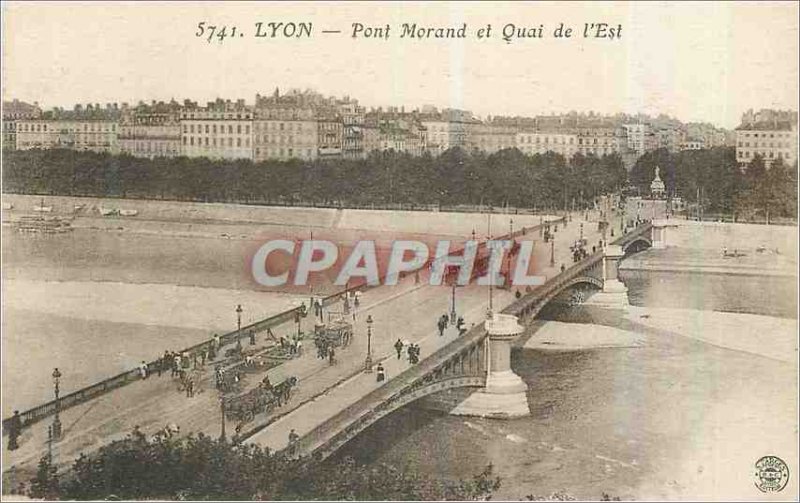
x=143 y=370
x=293 y=439
x=381 y=375
x=398 y=346
x=460 y=326
x=190 y=387
x=331 y=355
x=441 y=324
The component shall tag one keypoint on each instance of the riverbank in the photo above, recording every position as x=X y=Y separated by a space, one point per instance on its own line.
x=212 y=218
x=722 y=248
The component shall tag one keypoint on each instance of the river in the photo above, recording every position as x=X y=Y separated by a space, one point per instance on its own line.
x=660 y=420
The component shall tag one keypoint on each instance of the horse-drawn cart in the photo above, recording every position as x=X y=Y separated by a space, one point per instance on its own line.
x=244 y=407
x=336 y=333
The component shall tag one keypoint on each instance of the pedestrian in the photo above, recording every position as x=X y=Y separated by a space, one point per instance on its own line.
x=14 y=431
x=143 y=370
x=299 y=347
x=357 y=299
x=441 y=324
x=190 y=387
x=293 y=439
x=204 y=356
x=398 y=346
x=331 y=354
x=194 y=359
x=217 y=342
x=563 y=268
x=283 y=343
x=410 y=352
x=381 y=373
x=163 y=362
x=460 y=326
x=252 y=337
x=415 y=354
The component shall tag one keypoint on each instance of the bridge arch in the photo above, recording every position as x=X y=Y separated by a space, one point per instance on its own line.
x=428 y=386
x=636 y=245
x=529 y=314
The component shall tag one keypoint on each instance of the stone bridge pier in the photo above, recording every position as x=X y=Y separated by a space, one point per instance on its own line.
x=505 y=394
x=614 y=293
x=659 y=233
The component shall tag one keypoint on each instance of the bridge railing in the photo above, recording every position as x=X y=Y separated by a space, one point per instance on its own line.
x=338 y=424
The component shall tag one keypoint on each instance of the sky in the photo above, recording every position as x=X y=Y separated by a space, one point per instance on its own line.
x=704 y=62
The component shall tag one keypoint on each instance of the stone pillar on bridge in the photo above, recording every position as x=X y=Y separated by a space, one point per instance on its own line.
x=659 y=234
x=505 y=394
x=614 y=294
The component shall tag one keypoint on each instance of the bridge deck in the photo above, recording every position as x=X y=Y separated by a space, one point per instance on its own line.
x=317 y=422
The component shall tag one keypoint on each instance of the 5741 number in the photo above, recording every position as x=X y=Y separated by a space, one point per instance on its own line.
x=210 y=32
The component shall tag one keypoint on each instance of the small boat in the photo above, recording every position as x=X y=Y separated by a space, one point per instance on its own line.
x=128 y=213
x=107 y=211
x=43 y=209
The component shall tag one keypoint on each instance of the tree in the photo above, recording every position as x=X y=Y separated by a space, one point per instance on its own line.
x=202 y=468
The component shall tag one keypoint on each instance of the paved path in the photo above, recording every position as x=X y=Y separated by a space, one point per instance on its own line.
x=407 y=311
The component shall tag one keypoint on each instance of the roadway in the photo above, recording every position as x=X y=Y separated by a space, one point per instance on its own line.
x=407 y=311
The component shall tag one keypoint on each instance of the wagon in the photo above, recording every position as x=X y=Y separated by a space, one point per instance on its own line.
x=244 y=407
x=337 y=333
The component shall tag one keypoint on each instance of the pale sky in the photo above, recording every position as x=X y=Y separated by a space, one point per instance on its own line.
x=694 y=61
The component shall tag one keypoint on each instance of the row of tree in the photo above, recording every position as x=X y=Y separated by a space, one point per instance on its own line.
x=714 y=178
x=456 y=177
x=201 y=468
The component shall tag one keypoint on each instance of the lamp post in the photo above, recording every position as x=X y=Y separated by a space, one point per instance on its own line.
x=239 y=328
x=368 y=360
x=57 y=420
x=581 y=238
x=552 y=253
x=222 y=416
x=511 y=228
x=453 y=307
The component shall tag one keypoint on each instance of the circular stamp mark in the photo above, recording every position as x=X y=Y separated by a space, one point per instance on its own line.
x=772 y=474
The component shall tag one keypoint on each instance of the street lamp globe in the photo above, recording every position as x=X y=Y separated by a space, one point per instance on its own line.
x=56 y=379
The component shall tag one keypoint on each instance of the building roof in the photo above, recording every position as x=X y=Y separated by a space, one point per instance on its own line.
x=767 y=126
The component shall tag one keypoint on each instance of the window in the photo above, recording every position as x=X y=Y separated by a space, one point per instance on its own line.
x=247 y=130
x=230 y=142
x=206 y=128
x=206 y=140
x=185 y=128
x=238 y=129
x=238 y=142
x=191 y=140
x=191 y=128
x=230 y=129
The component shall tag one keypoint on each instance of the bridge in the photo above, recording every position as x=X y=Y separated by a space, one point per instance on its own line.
x=479 y=359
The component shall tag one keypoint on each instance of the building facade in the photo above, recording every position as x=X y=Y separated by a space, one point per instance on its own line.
x=75 y=134
x=14 y=111
x=222 y=130
x=284 y=134
x=151 y=130
x=769 y=140
x=540 y=142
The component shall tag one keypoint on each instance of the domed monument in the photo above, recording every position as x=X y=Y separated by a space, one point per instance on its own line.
x=657 y=187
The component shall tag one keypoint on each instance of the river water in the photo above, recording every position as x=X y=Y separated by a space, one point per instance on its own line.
x=655 y=421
